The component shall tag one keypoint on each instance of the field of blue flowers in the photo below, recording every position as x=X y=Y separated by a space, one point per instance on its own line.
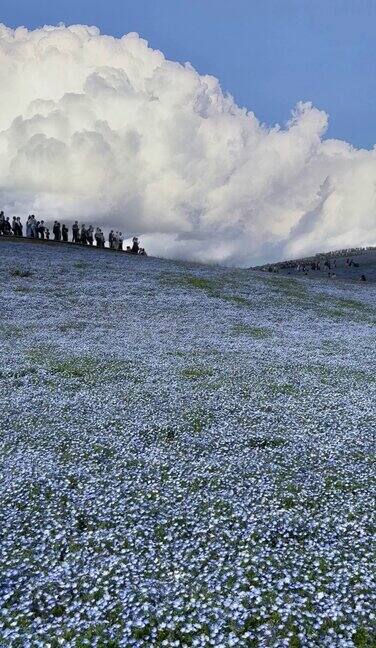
x=186 y=455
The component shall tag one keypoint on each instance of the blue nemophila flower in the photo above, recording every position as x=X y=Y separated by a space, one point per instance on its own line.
x=184 y=465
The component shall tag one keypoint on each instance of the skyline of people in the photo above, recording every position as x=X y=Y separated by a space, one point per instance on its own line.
x=81 y=234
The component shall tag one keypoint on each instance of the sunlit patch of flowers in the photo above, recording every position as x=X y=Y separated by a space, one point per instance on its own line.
x=186 y=456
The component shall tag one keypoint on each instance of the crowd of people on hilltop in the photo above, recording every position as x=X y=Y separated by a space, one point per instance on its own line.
x=82 y=235
x=325 y=262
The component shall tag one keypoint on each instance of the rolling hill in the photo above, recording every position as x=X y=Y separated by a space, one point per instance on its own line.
x=186 y=454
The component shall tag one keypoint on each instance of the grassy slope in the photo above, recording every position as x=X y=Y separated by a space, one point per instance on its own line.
x=187 y=454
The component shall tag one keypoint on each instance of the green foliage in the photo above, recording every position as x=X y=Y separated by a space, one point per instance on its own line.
x=284 y=389
x=18 y=272
x=195 y=373
x=345 y=309
x=212 y=287
x=289 y=287
x=22 y=289
x=58 y=610
x=81 y=265
x=364 y=639
x=198 y=282
x=167 y=434
x=72 y=326
x=263 y=443
x=87 y=370
x=198 y=419
x=9 y=331
x=256 y=332
x=289 y=502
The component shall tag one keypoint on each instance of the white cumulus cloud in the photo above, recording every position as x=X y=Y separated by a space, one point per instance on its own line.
x=108 y=131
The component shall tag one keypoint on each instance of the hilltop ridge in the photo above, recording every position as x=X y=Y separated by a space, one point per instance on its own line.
x=331 y=264
x=364 y=259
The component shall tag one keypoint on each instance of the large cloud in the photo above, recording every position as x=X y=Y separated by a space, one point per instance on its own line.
x=108 y=131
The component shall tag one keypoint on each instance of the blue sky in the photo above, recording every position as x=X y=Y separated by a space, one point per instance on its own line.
x=268 y=54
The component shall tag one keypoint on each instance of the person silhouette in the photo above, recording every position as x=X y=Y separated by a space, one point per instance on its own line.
x=135 y=246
